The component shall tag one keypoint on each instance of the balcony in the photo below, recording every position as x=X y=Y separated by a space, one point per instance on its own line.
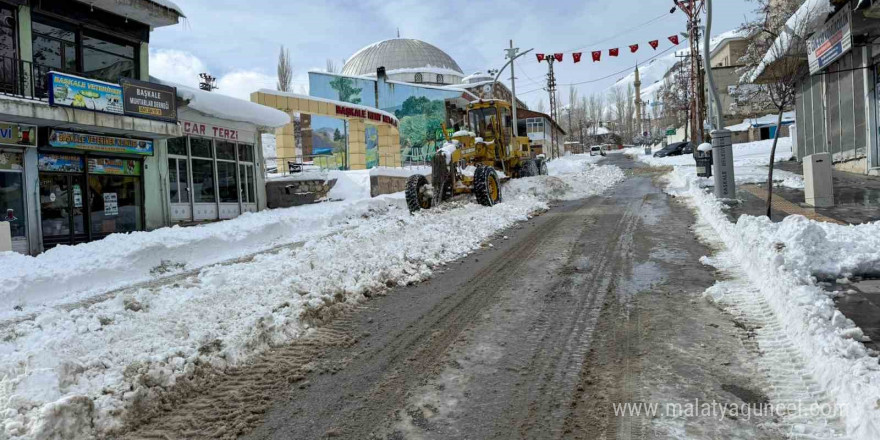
x=24 y=79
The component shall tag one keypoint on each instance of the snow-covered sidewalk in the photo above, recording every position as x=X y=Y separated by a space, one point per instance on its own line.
x=777 y=269
x=750 y=163
x=73 y=374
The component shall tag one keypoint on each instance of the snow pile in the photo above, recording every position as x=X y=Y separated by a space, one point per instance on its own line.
x=782 y=261
x=750 y=163
x=74 y=374
x=269 y=143
x=350 y=185
x=229 y=108
x=448 y=150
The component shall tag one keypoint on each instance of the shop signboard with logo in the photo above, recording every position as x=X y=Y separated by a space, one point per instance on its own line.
x=18 y=134
x=116 y=167
x=831 y=42
x=104 y=144
x=87 y=94
x=149 y=100
x=65 y=163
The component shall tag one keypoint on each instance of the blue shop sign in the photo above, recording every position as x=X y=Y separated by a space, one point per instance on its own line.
x=88 y=94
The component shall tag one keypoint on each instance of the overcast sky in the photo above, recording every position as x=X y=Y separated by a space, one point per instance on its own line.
x=238 y=41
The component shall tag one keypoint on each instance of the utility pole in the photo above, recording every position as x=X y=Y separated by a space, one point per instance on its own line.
x=551 y=88
x=511 y=55
x=692 y=9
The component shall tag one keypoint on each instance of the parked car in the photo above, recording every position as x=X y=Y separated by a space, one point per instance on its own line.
x=675 y=149
x=597 y=151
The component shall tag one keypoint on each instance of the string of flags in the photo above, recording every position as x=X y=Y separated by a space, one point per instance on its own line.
x=597 y=55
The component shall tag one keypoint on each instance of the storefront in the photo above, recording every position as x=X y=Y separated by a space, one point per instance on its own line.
x=90 y=186
x=212 y=172
x=15 y=142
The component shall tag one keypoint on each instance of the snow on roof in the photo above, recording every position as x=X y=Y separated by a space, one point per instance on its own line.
x=329 y=101
x=810 y=15
x=229 y=108
x=426 y=69
x=170 y=5
x=770 y=119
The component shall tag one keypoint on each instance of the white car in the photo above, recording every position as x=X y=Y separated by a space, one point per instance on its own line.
x=597 y=151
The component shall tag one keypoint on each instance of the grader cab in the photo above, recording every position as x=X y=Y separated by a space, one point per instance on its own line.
x=470 y=161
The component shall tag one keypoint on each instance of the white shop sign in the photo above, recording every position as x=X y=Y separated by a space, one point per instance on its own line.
x=831 y=42
x=209 y=130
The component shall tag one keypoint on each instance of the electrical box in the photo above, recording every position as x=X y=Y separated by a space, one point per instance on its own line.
x=818 y=184
x=5 y=237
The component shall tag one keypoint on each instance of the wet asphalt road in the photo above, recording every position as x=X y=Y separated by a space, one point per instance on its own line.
x=533 y=338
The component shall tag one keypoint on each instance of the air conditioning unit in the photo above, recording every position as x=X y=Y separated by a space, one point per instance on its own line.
x=818 y=183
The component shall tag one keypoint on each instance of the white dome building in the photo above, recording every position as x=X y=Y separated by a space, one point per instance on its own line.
x=405 y=60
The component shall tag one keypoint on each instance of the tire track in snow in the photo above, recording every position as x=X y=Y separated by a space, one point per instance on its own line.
x=790 y=383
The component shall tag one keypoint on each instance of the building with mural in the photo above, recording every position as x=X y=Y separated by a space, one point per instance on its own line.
x=419 y=84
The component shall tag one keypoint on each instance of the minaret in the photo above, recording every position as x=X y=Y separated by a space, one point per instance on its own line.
x=638 y=103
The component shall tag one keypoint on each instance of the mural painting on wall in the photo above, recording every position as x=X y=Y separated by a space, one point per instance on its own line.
x=421 y=127
x=346 y=90
x=329 y=142
x=372 y=141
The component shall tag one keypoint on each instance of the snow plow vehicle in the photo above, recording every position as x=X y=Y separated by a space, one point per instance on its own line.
x=470 y=161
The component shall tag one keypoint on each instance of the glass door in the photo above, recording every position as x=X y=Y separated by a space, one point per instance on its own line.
x=61 y=209
x=12 y=199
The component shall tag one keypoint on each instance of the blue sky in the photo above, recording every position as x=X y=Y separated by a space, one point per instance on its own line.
x=239 y=41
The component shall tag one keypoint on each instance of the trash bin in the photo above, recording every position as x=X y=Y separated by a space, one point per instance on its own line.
x=647 y=150
x=703 y=157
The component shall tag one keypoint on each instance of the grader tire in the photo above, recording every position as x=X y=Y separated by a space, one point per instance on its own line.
x=528 y=169
x=487 y=186
x=416 y=199
x=542 y=169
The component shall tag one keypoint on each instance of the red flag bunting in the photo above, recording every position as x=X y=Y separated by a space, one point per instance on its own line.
x=674 y=39
x=634 y=48
x=576 y=56
x=558 y=57
x=614 y=52
x=540 y=57
x=597 y=56
x=654 y=44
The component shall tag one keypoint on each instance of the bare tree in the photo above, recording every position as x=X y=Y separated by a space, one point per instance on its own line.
x=285 y=71
x=540 y=107
x=331 y=66
x=778 y=70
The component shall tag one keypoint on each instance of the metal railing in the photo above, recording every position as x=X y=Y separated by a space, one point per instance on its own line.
x=28 y=80
x=284 y=166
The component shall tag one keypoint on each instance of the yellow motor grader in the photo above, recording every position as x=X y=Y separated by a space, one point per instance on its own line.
x=469 y=161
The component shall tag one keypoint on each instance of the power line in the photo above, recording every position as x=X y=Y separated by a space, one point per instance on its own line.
x=604 y=77
x=625 y=31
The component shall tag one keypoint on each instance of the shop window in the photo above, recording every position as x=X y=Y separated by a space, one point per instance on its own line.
x=177 y=146
x=114 y=204
x=65 y=47
x=225 y=150
x=107 y=60
x=201 y=148
x=54 y=44
x=178 y=180
x=418 y=78
x=203 y=181
x=227 y=182
x=246 y=153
